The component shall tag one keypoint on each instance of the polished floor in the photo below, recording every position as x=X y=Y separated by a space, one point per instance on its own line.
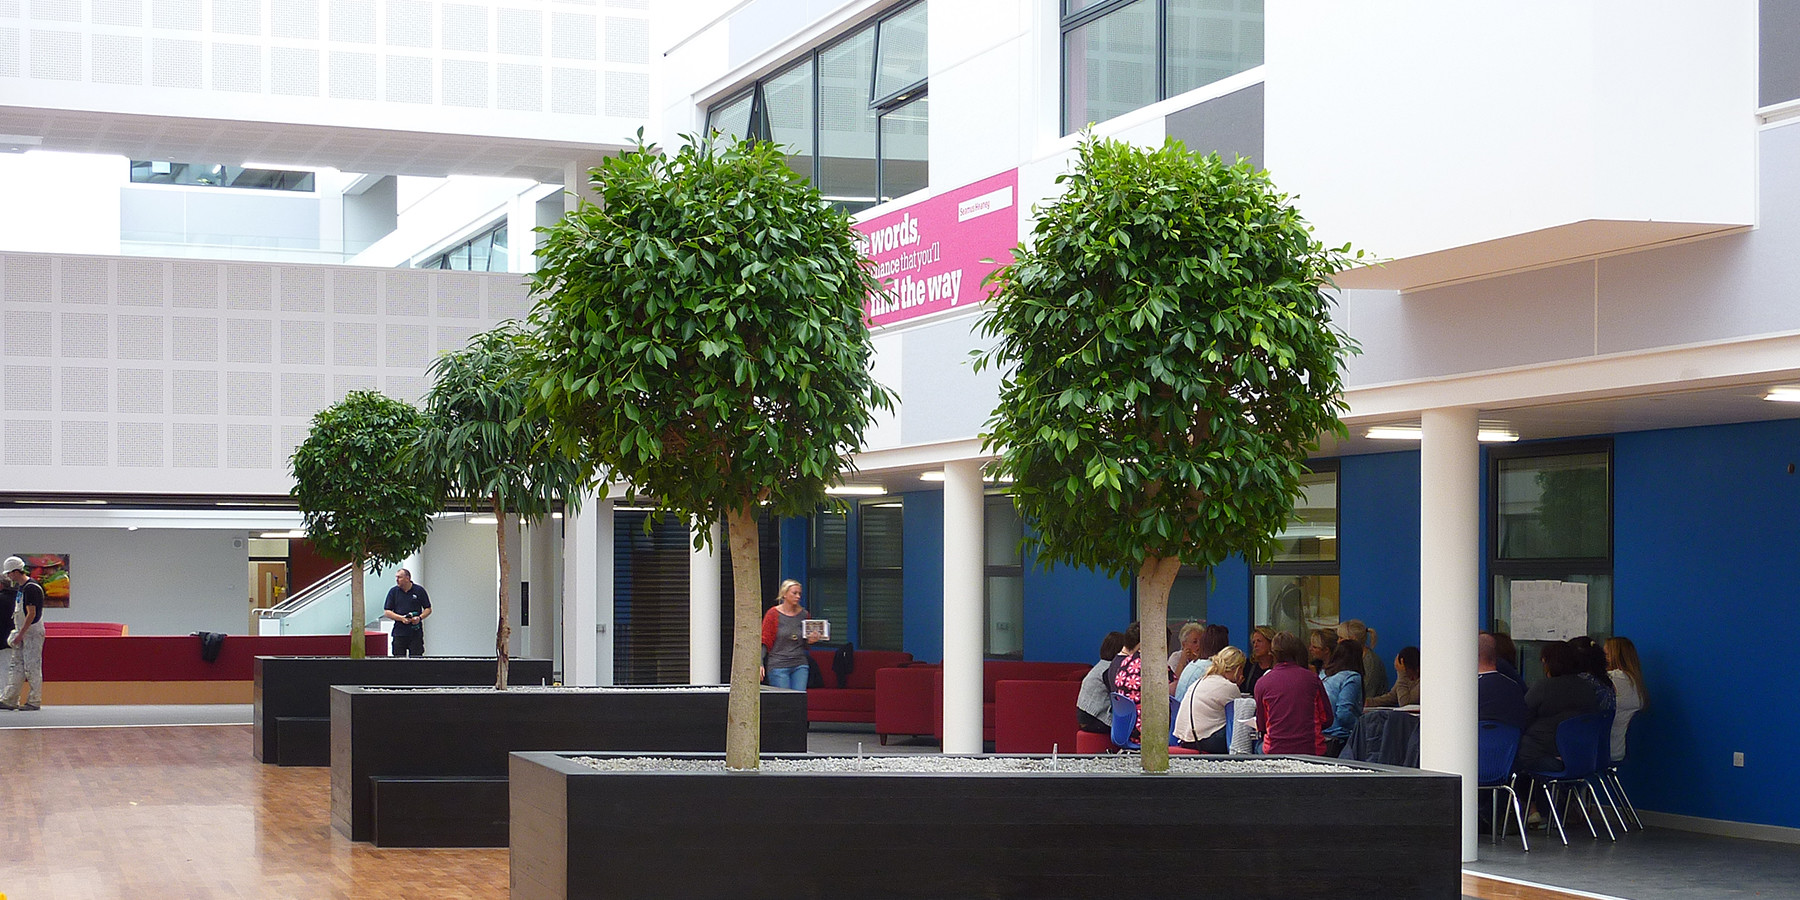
x=146 y=807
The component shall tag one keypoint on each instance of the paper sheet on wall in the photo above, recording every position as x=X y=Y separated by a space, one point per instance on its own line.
x=1549 y=610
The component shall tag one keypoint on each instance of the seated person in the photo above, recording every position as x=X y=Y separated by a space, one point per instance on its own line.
x=1290 y=702
x=1189 y=648
x=1627 y=675
x=1319 y=646
x=1374 y=672
x=1212 y=639
x=1343 y=681
x=1562 y=695
x=1093 y=705
x=1406 y=686
x=1262 y=655
x=1500 y=697
x=1200 y=725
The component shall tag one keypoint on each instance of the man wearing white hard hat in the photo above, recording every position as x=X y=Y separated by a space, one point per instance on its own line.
x=27 y=638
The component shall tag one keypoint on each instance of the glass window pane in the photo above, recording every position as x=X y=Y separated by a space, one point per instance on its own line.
x=1296 y=603
x=788 y=99
x=847 y=126
x=1212 y=39
x=881 y=626
x=1311 y=534
x=1005 y=616
x=905 y=134
x=881 y=523
x=499 y=261
x=1003 y=529
x=1187 y=601
x=828 y=597
x=1071 y=7
x=1599 y=616
x=902 y=48
x=481 y=249
x=829 y=544
x=730 y=118
x=1109 y=66
x=1554 y=507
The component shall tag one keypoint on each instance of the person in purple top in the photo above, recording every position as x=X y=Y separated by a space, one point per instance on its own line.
x=1291 y=708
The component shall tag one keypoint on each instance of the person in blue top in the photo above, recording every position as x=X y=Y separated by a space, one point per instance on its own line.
x=1344 y=692
x=409 y=606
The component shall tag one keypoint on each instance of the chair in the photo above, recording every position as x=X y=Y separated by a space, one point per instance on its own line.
x=1125 y=721
x=1578 y=741
x=1609 y=776
x=1603 y=759
x=1499 y=747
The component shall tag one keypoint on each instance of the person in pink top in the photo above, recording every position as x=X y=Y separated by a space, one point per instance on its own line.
x=1291 y=709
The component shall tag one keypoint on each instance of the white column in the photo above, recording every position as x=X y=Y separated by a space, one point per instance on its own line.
x=963 y=565
x=1449 y=601
x=541 y=634
x=703 y=612
x=588 y=594
x=520 y=556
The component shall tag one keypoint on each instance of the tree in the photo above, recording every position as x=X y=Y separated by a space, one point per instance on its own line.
x=1172 y=362
x=480 y=446
x=701 y=337
x=359 y=503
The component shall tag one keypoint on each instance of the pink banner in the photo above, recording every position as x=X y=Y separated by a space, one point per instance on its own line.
x=929 y=257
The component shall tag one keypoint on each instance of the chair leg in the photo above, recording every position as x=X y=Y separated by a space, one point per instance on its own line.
x=1604 y=800
x=1555 y=816
x=1589 y=784
x=1520 y=812
x=1612 y=776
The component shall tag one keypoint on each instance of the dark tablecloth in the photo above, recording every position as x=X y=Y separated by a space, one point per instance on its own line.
x=1387 y=736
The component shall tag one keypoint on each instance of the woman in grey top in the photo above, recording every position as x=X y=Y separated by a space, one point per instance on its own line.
x=1093 y=706
x=784 y=640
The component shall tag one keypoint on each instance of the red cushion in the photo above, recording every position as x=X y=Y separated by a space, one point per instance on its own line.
x=177 y=657
x=1036 y=716
x=862 y=677
x=84 y=629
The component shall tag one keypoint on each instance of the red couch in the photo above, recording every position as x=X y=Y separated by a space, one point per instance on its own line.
x=854 y=701
x=911 y=700
x=54 y=628
x=168 y=668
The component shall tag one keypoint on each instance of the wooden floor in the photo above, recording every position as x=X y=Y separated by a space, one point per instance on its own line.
x=187 y=812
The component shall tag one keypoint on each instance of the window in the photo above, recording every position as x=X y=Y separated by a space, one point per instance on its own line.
x=828 y=557
x=485 y=252
x=157 y=171
x=1297 y=590
x=1550 y=520
x=852 y=115
x=879 y=599
x=1120 y=55
x=1004 y=584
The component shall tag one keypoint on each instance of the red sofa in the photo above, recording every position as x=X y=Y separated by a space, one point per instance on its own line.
x=54 y=628
x=854 y=701
x=168 y=668
x=911 y=700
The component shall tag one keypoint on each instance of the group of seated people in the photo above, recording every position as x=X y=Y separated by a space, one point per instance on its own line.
x=1581 y=676
x=1309 y=697
x=1303 y=709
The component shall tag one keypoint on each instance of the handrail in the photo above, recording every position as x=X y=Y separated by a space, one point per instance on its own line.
x=314 y=591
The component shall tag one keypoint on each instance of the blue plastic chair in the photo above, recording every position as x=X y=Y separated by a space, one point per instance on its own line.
x=1578 y=741
x=1124 y=722
x=1609 y=778
x=1499 y=748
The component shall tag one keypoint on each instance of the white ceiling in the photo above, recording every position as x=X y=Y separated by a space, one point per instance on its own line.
x=314 y=146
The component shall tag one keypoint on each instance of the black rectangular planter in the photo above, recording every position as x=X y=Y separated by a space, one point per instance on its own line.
x=466 y=733
x=1385 y=833
x=292 y=722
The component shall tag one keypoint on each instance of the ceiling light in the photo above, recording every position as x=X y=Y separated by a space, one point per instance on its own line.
x=856 y=490
x=1487 y=434
x=36 y=502
x=483 y=520
x=556 y=515
x=931 y=476
x=1785 y=394
x=253 y=503
x=272 y=535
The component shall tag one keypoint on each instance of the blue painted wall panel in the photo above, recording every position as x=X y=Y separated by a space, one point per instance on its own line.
x=1378 y=547
x=1068 y=611
x=793 y=550
x=923 y=586
x=1705 y=543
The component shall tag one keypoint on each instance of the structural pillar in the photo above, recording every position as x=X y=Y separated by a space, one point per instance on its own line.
x=1449 y=602
x=588 y=593
x=703 y=612
x=545 y=589
x=963 y=566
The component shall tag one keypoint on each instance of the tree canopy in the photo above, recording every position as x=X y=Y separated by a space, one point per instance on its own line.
x=358 y=500
x=481 y=446
x=1170 y=363
x=701 y=338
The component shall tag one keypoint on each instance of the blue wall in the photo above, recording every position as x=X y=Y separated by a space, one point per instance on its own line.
x=1706 y=534
x=922 y=588
x=1378 y=547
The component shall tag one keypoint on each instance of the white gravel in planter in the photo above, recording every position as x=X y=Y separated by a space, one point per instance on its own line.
x=1113 y=764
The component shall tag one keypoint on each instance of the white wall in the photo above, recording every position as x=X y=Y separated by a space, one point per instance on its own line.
x=155 y=580
x=459 y=568
x=61 y=202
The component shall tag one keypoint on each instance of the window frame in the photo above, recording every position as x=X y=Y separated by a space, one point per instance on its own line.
x=991 y=570
x=864 y=569
x=1331 y=567
x=1093 y=13
x=1556 y=567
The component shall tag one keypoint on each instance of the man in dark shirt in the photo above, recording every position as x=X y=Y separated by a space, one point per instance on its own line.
x=409 y=606
x=1499 y=698
x=26 y=638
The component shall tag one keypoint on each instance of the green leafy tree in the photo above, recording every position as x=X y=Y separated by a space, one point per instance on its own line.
x=702 y=339
x=359 y=502
x=1170 y=363
x=480 y=446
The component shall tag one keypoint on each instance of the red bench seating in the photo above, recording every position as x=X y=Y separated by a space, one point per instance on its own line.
x=168 y=669
x=911 y=701
x=855 y=700
x=53 y=628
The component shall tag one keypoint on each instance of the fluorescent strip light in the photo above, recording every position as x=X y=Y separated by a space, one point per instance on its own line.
x=1486 y=434
x=931 y=476
x=282 y=534
x=1783 y=395
x=35 y=502
x=857 y=490
x=556 y=515
x=483 y=520
x=253 y=503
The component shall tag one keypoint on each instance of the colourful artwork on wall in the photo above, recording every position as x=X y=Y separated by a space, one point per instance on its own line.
x=52 y=571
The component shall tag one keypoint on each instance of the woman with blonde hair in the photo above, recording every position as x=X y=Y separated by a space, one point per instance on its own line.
x=1200 y=724
x=1374 y=671
x=1261 y=657
x=784 y=639
x=1627 y=676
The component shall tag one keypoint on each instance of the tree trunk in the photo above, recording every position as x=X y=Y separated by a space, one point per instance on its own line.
x=743 y=726
x=503 y=631
x=357 y=622
x=1154 y=580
